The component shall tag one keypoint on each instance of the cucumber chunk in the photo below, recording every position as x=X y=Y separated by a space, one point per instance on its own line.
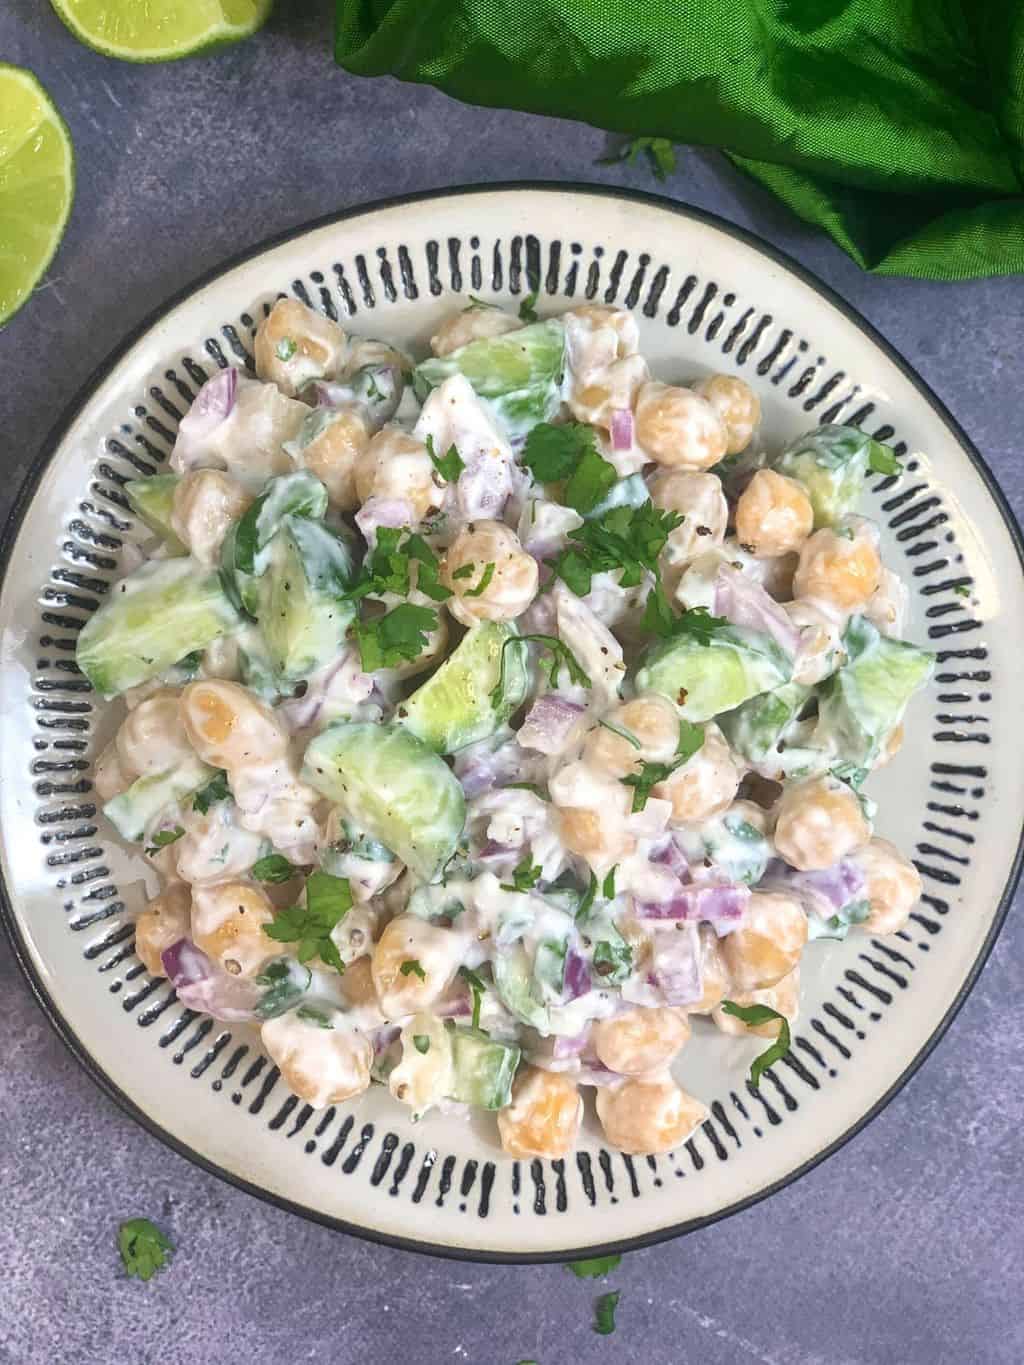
x=152 y=500
x=394 y=787
x=132 y=811
x=303 y=613
x=513 y=979
x=704 y=680
x=831 y=463
x=454 y=707
x=295 y=495
x=861 y=705
x=757 y=727
x=482 y=1069
x=157 y=615
x=519 y=373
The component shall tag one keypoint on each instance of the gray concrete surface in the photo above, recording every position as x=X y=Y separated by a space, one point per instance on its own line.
x=906 y=1247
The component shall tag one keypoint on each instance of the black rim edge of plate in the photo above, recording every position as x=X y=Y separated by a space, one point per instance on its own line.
x=13 y=526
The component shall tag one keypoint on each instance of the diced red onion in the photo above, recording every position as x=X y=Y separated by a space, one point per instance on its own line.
x=596 y=1073
x=576 y=980
x=211 y=405
x=202 y=986
x=454 y=1007
x=493 y=852
x=549 y=724
x=675 y=966
x=746 y=604
x=384 y=1037
x=377 y=512
x=564 y=1048
x=622 y=429
x=696 y=904
x=820 y=893
x=484 y=487
x=651 y=821
x=670 y=855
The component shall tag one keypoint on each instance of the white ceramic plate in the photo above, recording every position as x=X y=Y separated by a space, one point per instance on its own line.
x=708 y=297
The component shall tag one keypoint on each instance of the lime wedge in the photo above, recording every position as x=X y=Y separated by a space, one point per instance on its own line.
x=37 y=184
x=160 y=30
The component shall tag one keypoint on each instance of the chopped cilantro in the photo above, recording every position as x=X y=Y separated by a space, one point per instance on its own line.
x=587 y=899
x=314 y=1016
x=527 y=309
x=696 y=624
x=273 y=868
x=659 y=151
x=485 y=581
x=372 y=388
x=596 y=1268
x=216 y=789
x=328 y=900
x=400 y=635
x=467 y=571
x=164 y=837
x=568 y=452
x=622 y=734
x=388 y=567
x=525 y=876
x=477 y=988
x=412 y=967
x=691 y=737
x=428 y=567
x=286 y=348
x=627 y=539
x=882 y=460
x=561 y=656
x=604 y=1313
x=450 y=465
x=608 y=886
x=752 y=1016
x=144 y=1248
x=961 y=590
x=613 y=959
x=421 y=1042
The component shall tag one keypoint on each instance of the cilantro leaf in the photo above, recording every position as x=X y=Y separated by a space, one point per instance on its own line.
x=627 y=539
x=286 y=348
x=561 y=656
x=314 y=1016
x=608 y=886
x=477 y=987
x=604 y=1313
x=525 y=876
x=385 y=569
x=622 y=734
x=163 y=837
x=412 y=966
x=485 y=581
x=658 y=617
x=659 y=151
x=695 y=624
x=569 y=452
x=328 y=901
x=590 y=482
x=691 y=738
x=882 y=460
x=595 y=1268
x=421 y=1042
x=613 y=959
x=752 y=1016
x=216 y=789
x=274 y=868
x=527 y=310
x=428 y=567
x=144 y=1248
x=587 y=899
x=466 y=571
x=401 y=634
x=450 y=465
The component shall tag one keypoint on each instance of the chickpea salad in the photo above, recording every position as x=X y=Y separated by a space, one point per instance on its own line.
x=490 y=717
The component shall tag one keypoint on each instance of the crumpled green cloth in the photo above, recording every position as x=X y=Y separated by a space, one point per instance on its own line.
x=895 y=125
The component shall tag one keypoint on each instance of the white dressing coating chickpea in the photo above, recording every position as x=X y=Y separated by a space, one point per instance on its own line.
x=783 y=997
x=768 y=943
x=109 y=779
x=164 y=921
x=229 y=727
x=841 y=568
x=592 y=813
x=206 y=502
x=700 y=500
x=334 y=453
x=705 y=785
x=294 y=344
x=436 y=953
x=227 y=925
x=678 y=428
x=396 y=465
x=820 y=650
x=544 y=1117
x=892 y=886
x=774 y=515
x=652 y=722
x=152 y=738
x=476 y=323
x=424 y=1075
x=818 y=821
x=214 y=847
x=321 y=1065
x=736 y=403
x=611 y=389
x=250 y=441
x=648 y=1116
x=641 y=1040
x=483 y=593
x=888 y=605
x=604 y=369
x=713 y=975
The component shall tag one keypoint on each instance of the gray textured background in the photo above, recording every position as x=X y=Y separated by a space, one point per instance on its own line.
x=905 y=1247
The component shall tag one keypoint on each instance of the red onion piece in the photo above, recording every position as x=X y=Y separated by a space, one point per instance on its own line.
x=211 y=405
x=713 y=904
x=384 y=1037
x=484 y=487
x=675 y=966
x=376 y=512
x=202 y=986
x=549 y=724
x=821 y=893
x=564 y=1048
x=670 y=855
x=576 y=980
x=622 y=429
x=746 y=604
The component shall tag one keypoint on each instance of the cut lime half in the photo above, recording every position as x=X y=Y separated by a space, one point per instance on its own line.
x=37 y=184
x=160 y=30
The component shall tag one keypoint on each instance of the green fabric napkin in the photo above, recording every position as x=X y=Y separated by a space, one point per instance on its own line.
x=896 y=125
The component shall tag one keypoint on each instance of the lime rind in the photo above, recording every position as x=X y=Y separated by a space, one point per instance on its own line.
x=117 y=28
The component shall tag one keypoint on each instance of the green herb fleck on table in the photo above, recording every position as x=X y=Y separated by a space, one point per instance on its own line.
x=525 y=876
x=595 y=1268
x=163 y=838
x=882 y=459
x=328 y=901
x=604 y=1313
x=413 y=967
x=273 y=868
x=961 y=590
x=144 y=1248
x=449 y=465
x=753 y=1016
x=659 y=152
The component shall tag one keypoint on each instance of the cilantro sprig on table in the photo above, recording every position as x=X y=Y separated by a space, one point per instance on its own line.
x=659 y=152
x=753 y=1016
x=627 y=539
x=144 y=1248
x=328 y=901
x=568 y=453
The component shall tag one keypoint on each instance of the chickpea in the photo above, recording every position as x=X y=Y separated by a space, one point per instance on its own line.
x=678 y=428
x=164 y=921
x=819 y=652
x=598 y=333
x=334 y=454
x=700 y=500
x=888 y=605
x=736 y=403
x=321 y=1065
x=703 y=786
x=364 y=351
x=472 y=324
x=651 y=720
x=592 y=815
x=410 y=940
x=893 y=886
x=227 y=925
x=206 y=502
x=109 y=779
x=228 y=726
x=818 y=821
x=152 y=738
x=774 y=515
x=614 y=387
x=641 y=1040
x=395 y=465
x=783 y=997
x=838 y=570
x=768 y=943
x=646 y=1117
x=294 y=345
x=508 y=588
x=713 y=976
x=357 y=984
x=424 y=1075
x=544 y=1117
